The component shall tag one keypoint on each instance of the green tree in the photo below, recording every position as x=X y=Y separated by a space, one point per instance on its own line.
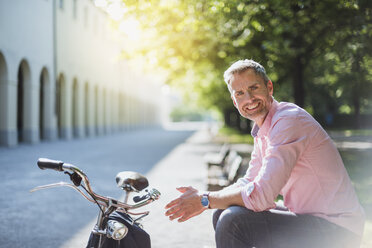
x=343 y=73
x=196 y=40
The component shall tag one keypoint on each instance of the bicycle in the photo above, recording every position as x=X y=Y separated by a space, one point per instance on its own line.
x=115 y=226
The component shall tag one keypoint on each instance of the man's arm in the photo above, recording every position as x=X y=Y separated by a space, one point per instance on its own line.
x=189 y=204
x=226 y=197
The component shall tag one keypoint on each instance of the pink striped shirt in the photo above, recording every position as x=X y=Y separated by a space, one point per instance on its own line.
x=293 y=156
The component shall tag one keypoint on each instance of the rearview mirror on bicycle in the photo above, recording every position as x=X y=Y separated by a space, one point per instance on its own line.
x=116 y=225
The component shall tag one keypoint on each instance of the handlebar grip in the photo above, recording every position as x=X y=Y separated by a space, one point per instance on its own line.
x=45 y=163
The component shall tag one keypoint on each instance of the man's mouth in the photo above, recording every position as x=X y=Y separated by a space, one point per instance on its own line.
x=251 y=106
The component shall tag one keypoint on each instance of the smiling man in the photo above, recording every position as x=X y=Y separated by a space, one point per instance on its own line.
x=294 y=157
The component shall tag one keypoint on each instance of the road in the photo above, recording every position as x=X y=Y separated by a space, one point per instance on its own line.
x=48 y=218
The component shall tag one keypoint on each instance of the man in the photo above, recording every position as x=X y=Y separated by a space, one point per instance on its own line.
x=293 y=157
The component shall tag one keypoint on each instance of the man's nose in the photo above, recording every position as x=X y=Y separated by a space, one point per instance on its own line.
x=248 y=96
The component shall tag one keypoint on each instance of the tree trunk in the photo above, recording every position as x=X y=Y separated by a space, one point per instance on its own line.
x=298 y=81
x=355 y=90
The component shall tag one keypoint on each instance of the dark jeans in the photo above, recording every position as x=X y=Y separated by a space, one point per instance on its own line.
x=239 y=227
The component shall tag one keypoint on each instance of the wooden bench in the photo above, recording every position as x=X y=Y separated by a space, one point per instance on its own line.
x=222 y=176
x=217 y=158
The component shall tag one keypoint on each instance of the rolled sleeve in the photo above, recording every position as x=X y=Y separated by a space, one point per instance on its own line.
x=246 y=192
x=281 y=148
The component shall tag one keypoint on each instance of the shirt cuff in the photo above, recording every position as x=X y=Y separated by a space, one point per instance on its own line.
x=241 y=182
x=246 y=191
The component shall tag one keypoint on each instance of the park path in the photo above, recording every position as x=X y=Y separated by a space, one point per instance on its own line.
x=345 y=140
x=183 y=166
x=52 y=218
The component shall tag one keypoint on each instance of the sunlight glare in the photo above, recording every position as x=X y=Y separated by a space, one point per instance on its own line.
x=165 y=89
x=116 y=10
x=131 y=28
x=100 y=3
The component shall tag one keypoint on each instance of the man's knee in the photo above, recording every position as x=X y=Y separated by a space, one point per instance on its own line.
x=231 y=226
x=216 y=215
x=228 y=219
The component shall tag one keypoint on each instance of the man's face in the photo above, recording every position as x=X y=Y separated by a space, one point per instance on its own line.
x=251 y=96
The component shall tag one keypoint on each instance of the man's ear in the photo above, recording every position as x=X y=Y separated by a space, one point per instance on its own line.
x=270 y=87
x=232 y=98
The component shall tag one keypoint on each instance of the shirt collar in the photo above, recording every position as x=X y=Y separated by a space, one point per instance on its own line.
x=256 y=130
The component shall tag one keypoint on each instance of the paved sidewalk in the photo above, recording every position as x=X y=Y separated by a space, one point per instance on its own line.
x=183 y=166
x=53 y=217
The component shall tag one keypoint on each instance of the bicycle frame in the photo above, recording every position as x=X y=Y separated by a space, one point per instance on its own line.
x=107 y=205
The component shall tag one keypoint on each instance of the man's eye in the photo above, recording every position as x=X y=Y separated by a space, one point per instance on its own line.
x=254 y=88
x=239 y=93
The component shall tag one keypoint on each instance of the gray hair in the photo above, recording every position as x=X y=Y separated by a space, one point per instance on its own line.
x=243 y=65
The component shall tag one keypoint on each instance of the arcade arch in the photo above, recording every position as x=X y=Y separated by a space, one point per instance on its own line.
x=104 y=112
x=87 y=110
x=23 y=90
x=96 y=109
x=4 y=113
x=76 y=107
x=60 y=106
x=44 y=101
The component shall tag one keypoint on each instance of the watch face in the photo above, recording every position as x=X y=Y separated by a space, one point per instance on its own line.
x=204 y=201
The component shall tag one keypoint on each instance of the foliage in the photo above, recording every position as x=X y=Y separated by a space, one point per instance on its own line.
x=187 y=113
x=232 y=136
x=321 y=48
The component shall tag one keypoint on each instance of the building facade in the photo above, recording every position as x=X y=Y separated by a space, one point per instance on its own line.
x=61 y=76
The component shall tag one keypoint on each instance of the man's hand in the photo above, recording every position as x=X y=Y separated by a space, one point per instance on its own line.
x=186 y=206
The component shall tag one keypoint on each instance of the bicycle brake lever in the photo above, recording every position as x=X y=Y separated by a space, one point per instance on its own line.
x=154 y=194
x=75 y=178
x=151 y=194
x=47 y=186
x=61 y=184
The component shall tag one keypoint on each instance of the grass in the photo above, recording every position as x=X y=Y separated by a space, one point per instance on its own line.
x=232 y=136
x=353 y=132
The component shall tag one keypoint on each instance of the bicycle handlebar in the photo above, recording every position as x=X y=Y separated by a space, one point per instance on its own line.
x=107 y=205
x=45 y=163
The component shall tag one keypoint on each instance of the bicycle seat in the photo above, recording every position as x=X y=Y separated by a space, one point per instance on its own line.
x=137 y=181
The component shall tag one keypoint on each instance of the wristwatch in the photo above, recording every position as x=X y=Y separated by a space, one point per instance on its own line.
x=205 y=200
